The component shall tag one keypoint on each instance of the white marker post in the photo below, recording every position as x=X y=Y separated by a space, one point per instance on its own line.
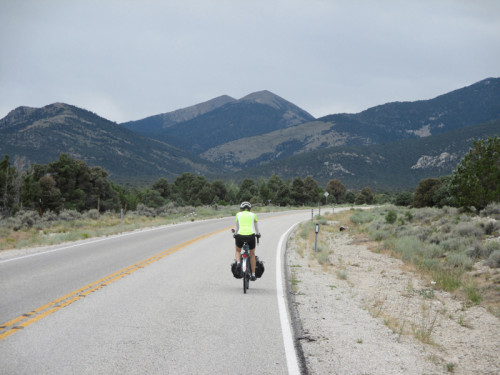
x=316 y=239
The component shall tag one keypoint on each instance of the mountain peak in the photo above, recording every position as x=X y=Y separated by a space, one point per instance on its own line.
x=17 y=113
x=265 y=97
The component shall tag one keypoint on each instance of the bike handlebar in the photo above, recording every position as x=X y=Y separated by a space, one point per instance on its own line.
x=258 y=235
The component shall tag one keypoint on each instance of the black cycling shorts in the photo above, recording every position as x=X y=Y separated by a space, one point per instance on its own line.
x=250 y=239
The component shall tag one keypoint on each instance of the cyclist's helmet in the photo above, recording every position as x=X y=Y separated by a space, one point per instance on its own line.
x=245 y=206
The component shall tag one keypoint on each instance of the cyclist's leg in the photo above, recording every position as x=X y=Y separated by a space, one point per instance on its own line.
x=251 y=243
x=238 y=241
x=253 y=262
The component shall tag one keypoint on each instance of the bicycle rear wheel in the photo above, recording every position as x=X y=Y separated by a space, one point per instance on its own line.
x=245 y=277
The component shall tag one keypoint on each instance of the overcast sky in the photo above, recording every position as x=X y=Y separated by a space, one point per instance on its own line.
x=126 y=60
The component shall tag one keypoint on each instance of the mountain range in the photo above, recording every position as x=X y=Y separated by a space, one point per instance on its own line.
x=390 y=146
x=40 y=135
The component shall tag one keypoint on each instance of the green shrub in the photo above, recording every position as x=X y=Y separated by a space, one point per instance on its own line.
x=447 y=228
x=143 y=210
x=409 y=248
x=494 y=259
x=430 y=264
x=476 y=250
x=423 y=233
x=454 y=244
x=391 y=217
x=492 y=210
x=490 y=247
x=433 y=251
x=24 y=220
x=447 y=279
x=450 y=211
x=68 y=215
x=427 y=214
x=361 y=217
x=444 y=221
x=322 y=255
x=404 y=199
x=472 y=293
x=306 y=229
x=489 y=226
x=92 y=214
x=374 y=226
x=50 y=217
x=460 y=261
x=437 y=238
x=468 y=230
x=379 y=235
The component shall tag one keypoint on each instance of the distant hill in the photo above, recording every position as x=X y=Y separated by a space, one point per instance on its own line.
x=258 y=113
x=390 y=122
x=470 y=105
x=41 y=134
x=392 y=166
x=155 y=125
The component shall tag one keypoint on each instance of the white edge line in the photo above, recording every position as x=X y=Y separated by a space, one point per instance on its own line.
x=291 y=355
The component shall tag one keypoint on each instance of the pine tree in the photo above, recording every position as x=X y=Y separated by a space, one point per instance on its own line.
x=476 y=181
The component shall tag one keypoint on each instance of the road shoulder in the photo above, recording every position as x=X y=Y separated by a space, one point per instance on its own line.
x=360 y=314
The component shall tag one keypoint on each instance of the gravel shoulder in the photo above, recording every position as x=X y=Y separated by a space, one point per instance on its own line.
x=367 y=313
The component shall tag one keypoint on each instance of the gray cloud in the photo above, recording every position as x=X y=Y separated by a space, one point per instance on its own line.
x=126 y=60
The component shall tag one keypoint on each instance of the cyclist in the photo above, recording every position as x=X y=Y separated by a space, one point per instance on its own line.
x=246 y=231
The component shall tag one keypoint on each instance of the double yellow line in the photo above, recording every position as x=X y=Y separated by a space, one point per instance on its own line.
x=22 y=321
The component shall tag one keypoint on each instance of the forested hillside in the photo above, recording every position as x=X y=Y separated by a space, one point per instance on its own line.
x=393 y=166
x=40 y=135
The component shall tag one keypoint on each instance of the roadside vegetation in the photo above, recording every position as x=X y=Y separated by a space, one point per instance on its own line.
x=456 y=251
x=29 y=229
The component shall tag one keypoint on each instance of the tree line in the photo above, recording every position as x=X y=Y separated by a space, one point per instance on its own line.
x=68 y=183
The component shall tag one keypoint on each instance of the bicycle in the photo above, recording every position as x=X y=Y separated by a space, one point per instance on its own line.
x=245 y=264
x=246 y=269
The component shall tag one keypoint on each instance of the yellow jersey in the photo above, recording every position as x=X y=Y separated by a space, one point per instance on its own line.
x=246 y=220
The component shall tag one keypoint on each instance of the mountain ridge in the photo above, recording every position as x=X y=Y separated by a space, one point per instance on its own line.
x=388 y=122
x=153 y=124
x=44 y=133
x=227 y=137
x=255 y=113
x=391 y=166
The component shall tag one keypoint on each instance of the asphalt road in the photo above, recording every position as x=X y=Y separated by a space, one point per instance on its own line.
x=160 y=301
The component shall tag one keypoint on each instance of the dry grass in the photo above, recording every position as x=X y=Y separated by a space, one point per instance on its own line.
x=27 y=229
x=442 y=245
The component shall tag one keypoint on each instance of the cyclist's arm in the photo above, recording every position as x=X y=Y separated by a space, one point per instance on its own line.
x=256 y=225
x=237 y=227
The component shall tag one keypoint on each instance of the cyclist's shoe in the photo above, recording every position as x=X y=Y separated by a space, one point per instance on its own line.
x=253 y=278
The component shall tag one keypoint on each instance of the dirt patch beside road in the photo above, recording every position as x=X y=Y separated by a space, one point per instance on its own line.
x=366 y=313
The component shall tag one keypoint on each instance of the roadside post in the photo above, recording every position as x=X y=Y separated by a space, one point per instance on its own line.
x=316 y=238
x=121 y=218
x=312 y=214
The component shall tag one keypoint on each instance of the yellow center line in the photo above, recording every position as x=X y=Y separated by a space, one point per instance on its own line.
x=24 y=320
